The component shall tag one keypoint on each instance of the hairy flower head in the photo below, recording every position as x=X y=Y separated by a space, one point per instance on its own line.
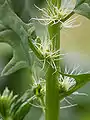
x=46 y=48
x=53 y=15
x=66 y=82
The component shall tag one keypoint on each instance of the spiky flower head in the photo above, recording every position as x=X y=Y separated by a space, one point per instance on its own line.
x=67 y=83
x=46 y=49
x=54 y=14
x=39 y=88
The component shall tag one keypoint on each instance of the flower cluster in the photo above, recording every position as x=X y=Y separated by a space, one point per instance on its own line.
x=65 y=82
x=46 y=49
x=53 y=15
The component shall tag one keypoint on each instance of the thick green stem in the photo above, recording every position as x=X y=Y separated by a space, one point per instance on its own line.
x=52 y=93
x=56 y=2
x=8 y=118
x=52 y=96
x=54 y=33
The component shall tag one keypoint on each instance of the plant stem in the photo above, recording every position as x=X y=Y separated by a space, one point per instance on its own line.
x=35 y=50
x=52 y=93
x=56 y=2
x=8 y=118
x=52 y=97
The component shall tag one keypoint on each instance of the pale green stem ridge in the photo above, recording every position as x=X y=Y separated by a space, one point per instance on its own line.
x=35 y=50
x=52 y=92
x=58 y=3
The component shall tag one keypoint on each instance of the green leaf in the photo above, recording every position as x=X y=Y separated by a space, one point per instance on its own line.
x=80 y=79
x=19 y=59
x=23 y=110
x=15 y=33
x=22 y=106
x=83 y=8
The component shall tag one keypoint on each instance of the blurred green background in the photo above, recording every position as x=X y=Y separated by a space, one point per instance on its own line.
x=74 y=41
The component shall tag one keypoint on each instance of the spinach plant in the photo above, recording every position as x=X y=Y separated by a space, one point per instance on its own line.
x=56 y=82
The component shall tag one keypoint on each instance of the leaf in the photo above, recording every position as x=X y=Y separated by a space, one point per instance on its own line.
x=83 y=8
x=22 y=111
x=19 y=58
x=22 y=106
x=16 y=36
x=80 y=79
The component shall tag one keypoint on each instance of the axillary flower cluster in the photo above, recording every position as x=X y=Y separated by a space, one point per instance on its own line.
x=50 y=16
x=49 y=55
